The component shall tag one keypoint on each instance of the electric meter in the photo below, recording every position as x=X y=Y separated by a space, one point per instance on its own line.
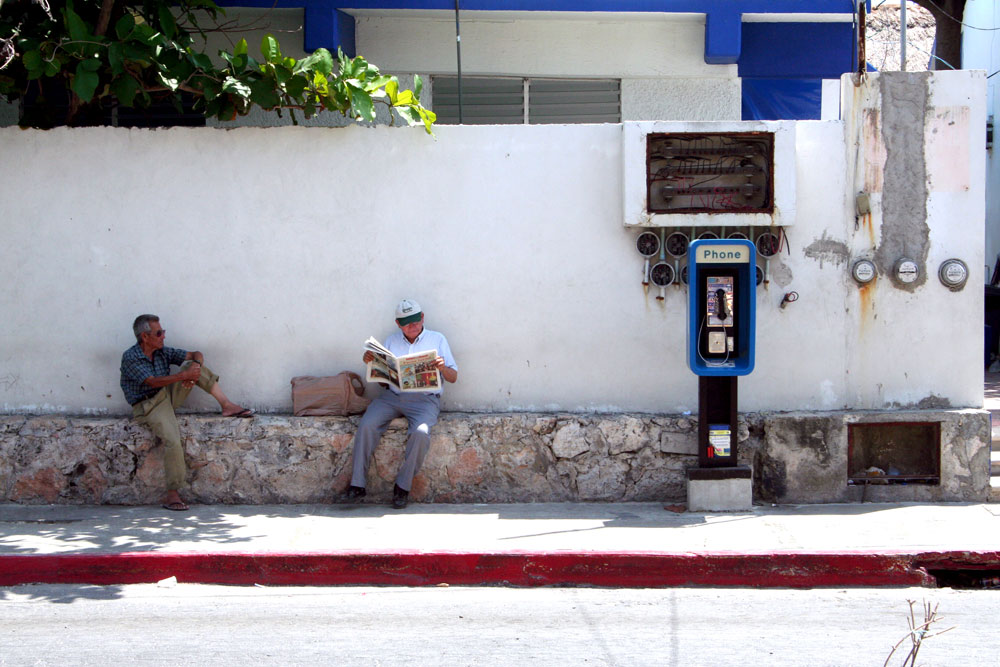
x=684 y=275
x=677 y=244
x=906 y=270
x=863 y=271
x=661 y=274
x=737 y=235
x=648 y=244
x=953 y=274
x=704 y=236
x=767 y=244
x=760 y=276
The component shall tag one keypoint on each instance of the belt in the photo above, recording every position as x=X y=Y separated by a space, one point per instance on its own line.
x=142 y=399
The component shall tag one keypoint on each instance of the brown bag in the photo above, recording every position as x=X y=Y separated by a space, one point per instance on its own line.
x=341 y=394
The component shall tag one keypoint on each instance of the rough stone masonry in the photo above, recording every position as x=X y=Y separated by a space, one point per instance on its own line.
x=508 y=457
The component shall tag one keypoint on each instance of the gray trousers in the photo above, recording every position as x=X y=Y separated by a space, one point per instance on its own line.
x=421 y=412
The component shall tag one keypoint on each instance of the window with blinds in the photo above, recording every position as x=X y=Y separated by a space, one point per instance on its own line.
x=508 y=100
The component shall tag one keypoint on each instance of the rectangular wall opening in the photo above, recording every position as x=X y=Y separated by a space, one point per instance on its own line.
x=719 y=172
x=894 y=453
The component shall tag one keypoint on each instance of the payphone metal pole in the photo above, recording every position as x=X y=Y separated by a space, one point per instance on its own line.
x=721 y=339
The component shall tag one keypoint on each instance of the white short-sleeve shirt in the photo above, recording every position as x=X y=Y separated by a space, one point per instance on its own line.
x=427 y=340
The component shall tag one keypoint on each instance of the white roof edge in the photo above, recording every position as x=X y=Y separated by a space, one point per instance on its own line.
x=513 y=15
x=797 y=18
x=507 y=15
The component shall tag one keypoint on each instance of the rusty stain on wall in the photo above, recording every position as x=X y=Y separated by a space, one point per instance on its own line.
x=869 y=226
x=866 y=299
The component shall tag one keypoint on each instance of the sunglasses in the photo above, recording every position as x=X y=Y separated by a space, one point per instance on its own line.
x=158 y=334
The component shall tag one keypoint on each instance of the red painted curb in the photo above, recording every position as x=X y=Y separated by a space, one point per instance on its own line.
x=619 y=570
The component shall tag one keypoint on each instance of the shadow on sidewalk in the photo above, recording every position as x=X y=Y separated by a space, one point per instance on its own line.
x=62 y=594
x=26 y=529
x=991 y=391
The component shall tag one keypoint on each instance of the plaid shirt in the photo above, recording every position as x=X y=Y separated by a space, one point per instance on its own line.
x=136 y=367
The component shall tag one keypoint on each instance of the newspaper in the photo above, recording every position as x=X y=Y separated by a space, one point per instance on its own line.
x=411 y=372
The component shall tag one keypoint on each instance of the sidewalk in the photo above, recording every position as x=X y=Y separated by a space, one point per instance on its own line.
x=597 y=544
x=991 y=402
x=601 y=544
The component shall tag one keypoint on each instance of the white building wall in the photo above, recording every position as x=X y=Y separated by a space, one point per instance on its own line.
x=681 y=99
x=659 y=58
x=981 y=50
x=920 y=346
x=276 y=252
x=802 y=349
x=619 y=45
x=287 y=25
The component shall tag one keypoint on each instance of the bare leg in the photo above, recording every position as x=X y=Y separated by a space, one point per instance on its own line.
x=228 y=407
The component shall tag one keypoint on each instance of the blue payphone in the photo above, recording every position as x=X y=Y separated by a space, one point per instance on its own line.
x=721 y=307
x=722 y=322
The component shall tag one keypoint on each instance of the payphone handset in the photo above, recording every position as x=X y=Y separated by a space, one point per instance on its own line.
x=719 y=301
x=718 y=326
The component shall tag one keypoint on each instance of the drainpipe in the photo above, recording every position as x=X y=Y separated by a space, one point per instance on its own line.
x=862 y=56
x=458 y=49
x=902 y=35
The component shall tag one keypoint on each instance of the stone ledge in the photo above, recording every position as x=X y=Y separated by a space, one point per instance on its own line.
x=498 y=457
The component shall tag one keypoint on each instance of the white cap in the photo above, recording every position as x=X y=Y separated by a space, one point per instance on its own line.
x=408 y=309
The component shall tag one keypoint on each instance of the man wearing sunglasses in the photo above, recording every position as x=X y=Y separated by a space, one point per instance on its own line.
x=420 y=409
x=155 y=393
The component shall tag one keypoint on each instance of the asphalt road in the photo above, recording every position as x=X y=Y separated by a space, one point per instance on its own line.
x=218 y=625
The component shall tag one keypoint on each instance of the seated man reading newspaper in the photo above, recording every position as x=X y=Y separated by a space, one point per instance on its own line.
x=411 y=365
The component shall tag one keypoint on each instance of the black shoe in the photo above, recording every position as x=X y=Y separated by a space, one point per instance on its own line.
x=399 y=497
x=352 y=494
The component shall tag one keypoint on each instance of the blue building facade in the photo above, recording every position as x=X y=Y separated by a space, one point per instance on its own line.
x=783 y=48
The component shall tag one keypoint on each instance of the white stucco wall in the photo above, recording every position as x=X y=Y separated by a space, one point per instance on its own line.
x=981 y=50
x=276 y=252
x=681 y=99
x=925 y=344
x=616 y=45
x=286 y=25
x=659 y=58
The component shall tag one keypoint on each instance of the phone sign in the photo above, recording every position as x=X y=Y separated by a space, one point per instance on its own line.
x=723 y=254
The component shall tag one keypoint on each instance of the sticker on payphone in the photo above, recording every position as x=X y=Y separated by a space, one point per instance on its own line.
x=719 y=439
x=719 y=300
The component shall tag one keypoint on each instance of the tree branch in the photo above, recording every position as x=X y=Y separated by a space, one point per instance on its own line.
x=104 y=18
x=7 y=52
x=947 y=31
